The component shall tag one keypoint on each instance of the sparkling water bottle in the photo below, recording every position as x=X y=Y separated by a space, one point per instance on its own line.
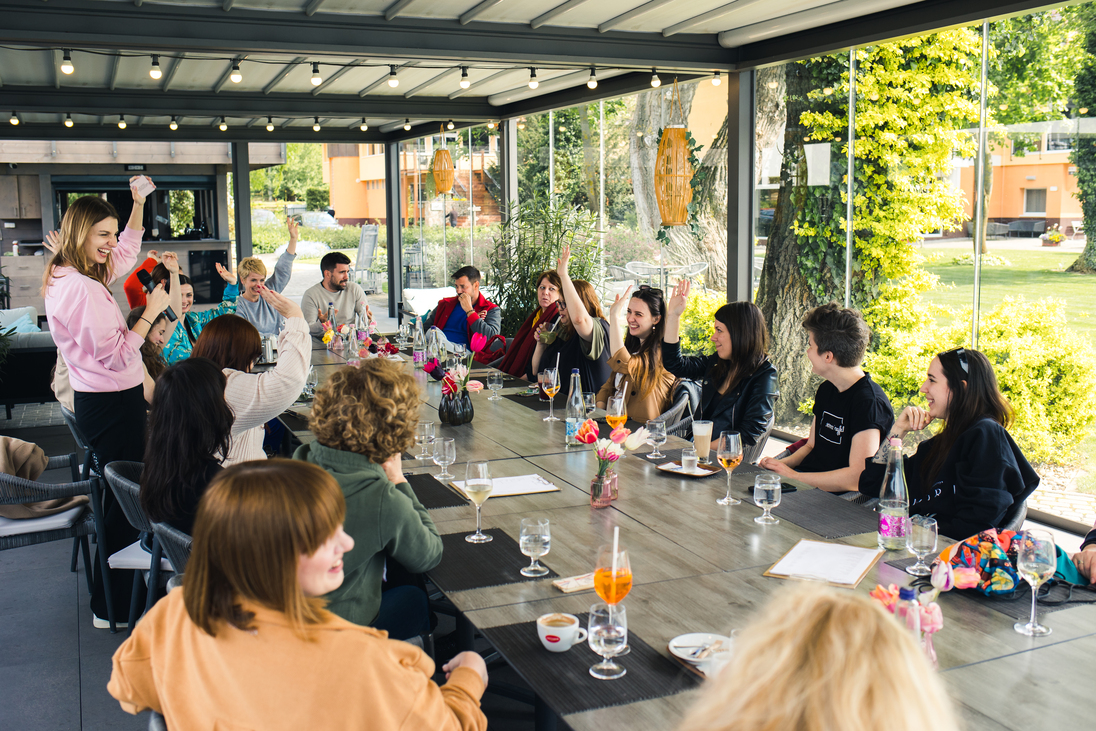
x=907 y=611
x=418 y=345
x=894 y=504
x=576 y=410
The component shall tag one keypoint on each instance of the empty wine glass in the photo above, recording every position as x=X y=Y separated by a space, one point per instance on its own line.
x=478 y=486
x=311 y=382
x=766 y=496
x=445 y=454
x=729 y=453
x=494 y=382
x=1036 y=561
x=589 y=402
x=405 y=334
x=551 y=387
x=607 y=634
x=536 y=541
x=424 y=437
x=656 y=437
x=920 y=541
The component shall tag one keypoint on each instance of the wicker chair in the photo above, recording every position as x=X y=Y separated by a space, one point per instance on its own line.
x=77 y=523
x=175 y=544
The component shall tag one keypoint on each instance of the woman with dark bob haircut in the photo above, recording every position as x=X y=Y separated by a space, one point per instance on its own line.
x=363 y=419
x=247 y=641
x=972 y=473
x=234 y=344
x=739 y=386
x=188 y=432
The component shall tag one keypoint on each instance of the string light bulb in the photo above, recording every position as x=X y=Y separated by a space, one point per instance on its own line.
x=236 y=77
x=174 y=124
x=223 y=126
x=450 y=125
x=407 y=125
x=68 y=120
x=269 y=124
x=592 y=83
x=717 y=79
x=364 y=126
x=315 y=124
x=521 y=122
x=655 y=81
x=66 y=63
x=491 y=125
x=533 y=83
x=155 y=71
x=14 y=119
x=464 y=81
x=393 y=80
x=316 y=78
x=121 y=121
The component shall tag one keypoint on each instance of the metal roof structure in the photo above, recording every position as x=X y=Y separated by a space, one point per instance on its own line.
x=291 y=65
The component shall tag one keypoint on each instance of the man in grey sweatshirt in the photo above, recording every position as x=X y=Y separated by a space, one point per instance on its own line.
x=252 y=273
x=336 y=292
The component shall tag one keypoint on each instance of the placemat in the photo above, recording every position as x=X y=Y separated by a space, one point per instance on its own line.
x=826 y=515
x=563 y=680
x=534 y=403
x=604 y=429
x=1018 y=604
x=467 y=565
x=433 y=494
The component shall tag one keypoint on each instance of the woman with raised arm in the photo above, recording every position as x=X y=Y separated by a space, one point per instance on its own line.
x=191 y=323
x=519 y=351
x=971 y=473
x=246 y=643
x=582 y=336
x=739 y=384
x=636 y=361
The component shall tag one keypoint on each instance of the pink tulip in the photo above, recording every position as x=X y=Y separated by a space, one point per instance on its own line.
x=943 y=578
x=478 y=341
x=474 y=386
x=887 y=596
x=932 y=619
x=619 y=434
x=966 y=577
x=612 y=457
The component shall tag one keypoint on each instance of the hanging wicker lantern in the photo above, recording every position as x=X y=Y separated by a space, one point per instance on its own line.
x=673 y=172
x=443 y=171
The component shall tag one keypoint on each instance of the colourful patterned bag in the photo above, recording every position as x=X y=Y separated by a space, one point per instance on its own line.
x=992 y=555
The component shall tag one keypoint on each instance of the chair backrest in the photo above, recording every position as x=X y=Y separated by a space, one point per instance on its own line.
x=81 y=442
x=175 y=543
x=124 y=479
x=750 y=455
x=1015 y=516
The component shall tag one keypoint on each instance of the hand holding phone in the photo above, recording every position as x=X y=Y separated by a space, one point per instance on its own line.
x=142 y=185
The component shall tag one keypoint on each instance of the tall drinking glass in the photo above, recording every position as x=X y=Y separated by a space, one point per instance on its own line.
x=608 y=635
x=729 y=452
x=921 y=541
x=656 y=429
x=1036 y=560
x=405 y=334
x=766 y=496
x=445 y=454
x=589 y=402
x=494 y=382
x=311 y=381
x=702 y=440
x=536 y=541
x=616 y=412
x=478 y=486
x=551 y=387
x=424 y=437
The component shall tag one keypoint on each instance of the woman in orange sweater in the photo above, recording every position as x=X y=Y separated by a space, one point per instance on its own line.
x=247 y=644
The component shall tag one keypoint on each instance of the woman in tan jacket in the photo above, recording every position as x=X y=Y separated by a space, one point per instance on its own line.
x=247 y=644
x=636 y=359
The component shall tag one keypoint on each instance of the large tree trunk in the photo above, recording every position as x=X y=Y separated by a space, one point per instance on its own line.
x=652 y=113
x=771 y=114
x=590 y=167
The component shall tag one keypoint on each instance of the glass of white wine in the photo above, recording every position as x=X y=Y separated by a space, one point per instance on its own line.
x=729 y=453
x=445 y=454
x=766 y=496
x=478 y=486
x=536 y=541
x=1036 y=561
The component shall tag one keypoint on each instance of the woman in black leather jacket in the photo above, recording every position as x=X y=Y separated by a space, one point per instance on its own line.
x=739 y=386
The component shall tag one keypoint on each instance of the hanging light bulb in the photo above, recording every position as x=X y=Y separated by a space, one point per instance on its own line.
x=450 y=125
x=236 y=77
x=223 y=126
x=66 y=63
x=14 y=118
x=464 y=81
x=491 y=125
x=521 y=122
x=655 y=82
x=363 y=126
x=592 y=83
x=717 y=79
x=121 y=121
x=269 y=124
x=155 y=71
x=174 y=124
x=533 y=83
x=407 y=125
x=68 y=120
x=316 y=78
x=315 y=124
x=393 y=80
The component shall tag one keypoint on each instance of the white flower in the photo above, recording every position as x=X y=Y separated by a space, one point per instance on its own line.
x=344 y=330
x=636 y=438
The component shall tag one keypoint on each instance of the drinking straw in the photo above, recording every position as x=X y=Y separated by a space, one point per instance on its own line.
x=557 y=362
x=616 y=542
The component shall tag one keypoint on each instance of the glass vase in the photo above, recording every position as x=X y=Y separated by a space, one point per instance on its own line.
x=930 y=651
x=601 y=488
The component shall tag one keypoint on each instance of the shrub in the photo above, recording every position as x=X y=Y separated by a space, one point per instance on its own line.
x=317 y=198
x=265 y=239
x=696 y=322
x=624 y=244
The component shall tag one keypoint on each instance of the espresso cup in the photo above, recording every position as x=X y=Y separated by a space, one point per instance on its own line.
x=559 y=632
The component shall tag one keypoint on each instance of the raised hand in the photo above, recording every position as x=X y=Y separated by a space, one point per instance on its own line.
x=137 y=197
x=562 y=263
x=53 y=242
x=170 y=260
x=293 y=226
x=465 y=301
x=281 y=304
x=228 y=276
x=675 y=307
x=619 y=304
x=156 y=302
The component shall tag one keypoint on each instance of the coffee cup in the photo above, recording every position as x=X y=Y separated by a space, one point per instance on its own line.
x=559 y=632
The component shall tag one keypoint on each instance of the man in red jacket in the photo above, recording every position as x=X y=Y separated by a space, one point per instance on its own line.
x=469 y=312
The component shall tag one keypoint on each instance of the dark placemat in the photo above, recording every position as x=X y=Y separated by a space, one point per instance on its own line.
x=467 y=565
x=535 y=403
x=1018 y=604
x=604 y=429
x=433 y=494
x=413 y=457
x=826 y=515
x=563 y=680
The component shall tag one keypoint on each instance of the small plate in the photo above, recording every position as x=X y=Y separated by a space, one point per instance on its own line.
x=702 y=470
x=683 y=646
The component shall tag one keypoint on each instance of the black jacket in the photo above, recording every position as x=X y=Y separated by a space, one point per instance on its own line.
x=746 y=408
x=983 y=476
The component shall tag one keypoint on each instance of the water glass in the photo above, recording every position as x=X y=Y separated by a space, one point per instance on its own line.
x=920 y=541
x=656 y=437
x=445 y=454
x=589 y=401
x=311 y=382
x=729 y=453
x=608 y=635
x=1036 y=561
x=478 y=486
x=689 y=461
x=405 y=334
x=536 y=541
x=424 y=437
x=766 y=496
x=494 y=383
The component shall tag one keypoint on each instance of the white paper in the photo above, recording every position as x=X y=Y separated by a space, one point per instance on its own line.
x=834 y=562
x=521 y=485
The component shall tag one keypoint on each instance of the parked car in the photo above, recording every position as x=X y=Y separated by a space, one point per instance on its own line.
x=262 y=217
x=319 y=219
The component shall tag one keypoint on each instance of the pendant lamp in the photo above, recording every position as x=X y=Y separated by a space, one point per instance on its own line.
x=673 y=171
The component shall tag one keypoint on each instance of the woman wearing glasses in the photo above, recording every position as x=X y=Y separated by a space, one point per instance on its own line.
x=636 y=358
x=971 y=473
x=520 y=350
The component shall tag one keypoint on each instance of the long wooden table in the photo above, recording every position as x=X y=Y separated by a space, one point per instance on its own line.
x=698 y=566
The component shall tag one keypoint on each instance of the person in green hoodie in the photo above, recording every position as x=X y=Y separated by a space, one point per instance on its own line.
x=363 y=419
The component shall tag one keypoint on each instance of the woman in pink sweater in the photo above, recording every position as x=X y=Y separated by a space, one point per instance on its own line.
x=103 y=355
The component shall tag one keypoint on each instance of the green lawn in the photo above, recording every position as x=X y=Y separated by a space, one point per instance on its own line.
x=1033 y=274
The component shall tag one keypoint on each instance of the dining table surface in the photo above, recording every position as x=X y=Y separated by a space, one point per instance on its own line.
x=699 y=567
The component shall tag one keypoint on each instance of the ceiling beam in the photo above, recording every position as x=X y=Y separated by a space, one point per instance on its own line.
x=622 y=85
x=228 y=72
x=113 y=71
x=55 y=59
x=705 y=17
x=427 y=84
x=623 y=18
x=327 y=82
x=312 y=7
x=555 y=13
x=227 y=5
x=481 y=82
x=393 y=10
x=170 y=75
x=477 y=11
x=283 y=73
x=109 y=132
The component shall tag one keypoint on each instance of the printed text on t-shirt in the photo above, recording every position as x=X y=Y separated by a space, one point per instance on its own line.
x=831 y=427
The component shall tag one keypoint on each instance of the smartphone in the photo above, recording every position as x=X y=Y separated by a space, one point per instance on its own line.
x=299 y=218
x=144 y=186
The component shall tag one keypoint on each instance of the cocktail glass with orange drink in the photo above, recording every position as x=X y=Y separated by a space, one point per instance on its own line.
x=616 y=412
x=612 y=586
x=550 y=384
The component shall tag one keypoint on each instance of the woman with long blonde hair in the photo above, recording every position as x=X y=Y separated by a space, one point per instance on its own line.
x=818 y=659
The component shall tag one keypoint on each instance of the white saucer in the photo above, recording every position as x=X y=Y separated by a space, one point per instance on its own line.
x=683 y=646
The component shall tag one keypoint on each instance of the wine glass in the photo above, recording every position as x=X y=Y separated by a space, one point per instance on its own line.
x=1036 y=561
x=729 y=453
x=608 y=635
x=494 y=383
x=536 y=541
x=612 y=586
x=656 y=437
x=424 y=437
x=766 y=496
x=589 y=402
x=311 y=382
x=445 y=454
x=616 y=412
x=551 y=387
x=405 y=334
x=478 y=486
x=921 y=541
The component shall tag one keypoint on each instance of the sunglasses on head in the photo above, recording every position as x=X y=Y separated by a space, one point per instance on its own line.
x=647 y=287
x=961 y=354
